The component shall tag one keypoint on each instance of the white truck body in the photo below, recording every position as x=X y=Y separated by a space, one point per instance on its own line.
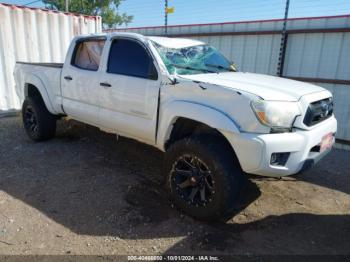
x=147 y=109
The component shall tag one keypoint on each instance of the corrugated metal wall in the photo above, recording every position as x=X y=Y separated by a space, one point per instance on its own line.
x=317 y=49
x=35 y=35
x=252 y=53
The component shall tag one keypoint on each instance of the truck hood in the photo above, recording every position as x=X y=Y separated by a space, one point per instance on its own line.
x=265 y=86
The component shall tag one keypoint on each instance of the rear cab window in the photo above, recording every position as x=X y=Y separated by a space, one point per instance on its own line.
x=87 y=54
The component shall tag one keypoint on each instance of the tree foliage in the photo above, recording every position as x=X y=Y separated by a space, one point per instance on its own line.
x=107 y=9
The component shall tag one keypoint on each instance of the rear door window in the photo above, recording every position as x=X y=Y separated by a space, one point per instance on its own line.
x=130 y=58
x=87 y=54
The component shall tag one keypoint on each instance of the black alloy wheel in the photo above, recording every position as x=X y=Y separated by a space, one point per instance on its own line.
x=203 y=176
x=191 y=178
x=38 y=122
x=30 y=120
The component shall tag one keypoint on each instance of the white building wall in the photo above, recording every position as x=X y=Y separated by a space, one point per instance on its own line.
x=35 y=35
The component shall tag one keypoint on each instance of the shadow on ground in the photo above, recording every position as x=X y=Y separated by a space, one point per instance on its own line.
x=93 y=184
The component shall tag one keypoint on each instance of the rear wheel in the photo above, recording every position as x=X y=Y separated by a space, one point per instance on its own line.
x=204 y=177
x=38 y=122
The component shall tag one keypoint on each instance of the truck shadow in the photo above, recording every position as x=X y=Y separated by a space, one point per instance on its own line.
x=94 y=185
x=285 y=234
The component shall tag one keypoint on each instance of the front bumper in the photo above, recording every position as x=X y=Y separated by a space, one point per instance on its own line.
x=254 y=150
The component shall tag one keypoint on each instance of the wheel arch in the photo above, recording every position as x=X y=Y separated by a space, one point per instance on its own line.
x=33 y=85
x=182 y=118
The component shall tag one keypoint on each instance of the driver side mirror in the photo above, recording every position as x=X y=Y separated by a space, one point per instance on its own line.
x=173 y=81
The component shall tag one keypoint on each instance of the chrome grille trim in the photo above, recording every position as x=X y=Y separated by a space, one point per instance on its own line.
x=318 y=111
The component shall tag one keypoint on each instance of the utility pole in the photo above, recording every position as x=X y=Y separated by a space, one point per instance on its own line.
x=166 y=18
x=67 y=5
x=284 y=39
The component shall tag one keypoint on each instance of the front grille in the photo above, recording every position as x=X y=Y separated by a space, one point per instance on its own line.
x=318 y=111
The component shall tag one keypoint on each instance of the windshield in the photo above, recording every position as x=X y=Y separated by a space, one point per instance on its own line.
x=196 y=59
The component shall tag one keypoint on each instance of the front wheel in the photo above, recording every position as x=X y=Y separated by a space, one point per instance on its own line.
x=204 y=177
x=38 y=122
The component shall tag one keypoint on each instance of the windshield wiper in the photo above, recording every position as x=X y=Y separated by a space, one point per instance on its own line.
x=221 y=67
x=192 y=68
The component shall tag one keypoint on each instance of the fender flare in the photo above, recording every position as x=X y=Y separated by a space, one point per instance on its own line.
x=37 y=82
x=194 y=111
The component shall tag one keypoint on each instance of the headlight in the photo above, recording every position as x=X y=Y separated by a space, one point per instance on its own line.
x=275 y=113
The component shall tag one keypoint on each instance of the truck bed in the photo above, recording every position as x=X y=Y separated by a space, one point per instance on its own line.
x=45 y=76
x=56 y=65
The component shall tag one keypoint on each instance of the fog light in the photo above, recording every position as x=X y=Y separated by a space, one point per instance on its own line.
x=279 y=159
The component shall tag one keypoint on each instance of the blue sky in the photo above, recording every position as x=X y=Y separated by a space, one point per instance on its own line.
x=151 y=12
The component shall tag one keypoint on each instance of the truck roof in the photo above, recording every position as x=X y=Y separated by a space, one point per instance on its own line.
x=163 y=41
x=174 y=42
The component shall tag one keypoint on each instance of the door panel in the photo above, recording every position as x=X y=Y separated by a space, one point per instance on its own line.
x=80 y=81
x=129 y=105
x=80 y=95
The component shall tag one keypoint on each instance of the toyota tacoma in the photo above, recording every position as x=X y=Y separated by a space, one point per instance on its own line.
x=185 y=98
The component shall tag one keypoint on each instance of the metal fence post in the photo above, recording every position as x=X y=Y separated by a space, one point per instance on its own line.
x=284 y=39
x=166 y=18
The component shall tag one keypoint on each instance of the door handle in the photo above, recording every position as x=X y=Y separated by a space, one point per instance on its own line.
x=68 y=78
x=105 y=85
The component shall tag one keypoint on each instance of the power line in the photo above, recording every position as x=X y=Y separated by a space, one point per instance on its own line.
x=33 y=2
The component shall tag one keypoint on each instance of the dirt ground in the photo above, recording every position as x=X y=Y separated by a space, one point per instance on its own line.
x=85 y=192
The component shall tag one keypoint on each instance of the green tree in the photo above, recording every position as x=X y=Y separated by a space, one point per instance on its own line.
x=107 y=9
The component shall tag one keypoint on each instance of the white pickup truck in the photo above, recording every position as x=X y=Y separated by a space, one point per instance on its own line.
x=185 y=98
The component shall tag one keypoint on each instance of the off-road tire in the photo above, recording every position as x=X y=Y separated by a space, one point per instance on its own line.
x=39 y=123
x=229 y=179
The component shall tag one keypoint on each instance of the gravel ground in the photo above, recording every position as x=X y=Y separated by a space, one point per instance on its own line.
x=85 y=192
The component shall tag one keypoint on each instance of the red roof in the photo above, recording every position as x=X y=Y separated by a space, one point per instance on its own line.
x=48 y=10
